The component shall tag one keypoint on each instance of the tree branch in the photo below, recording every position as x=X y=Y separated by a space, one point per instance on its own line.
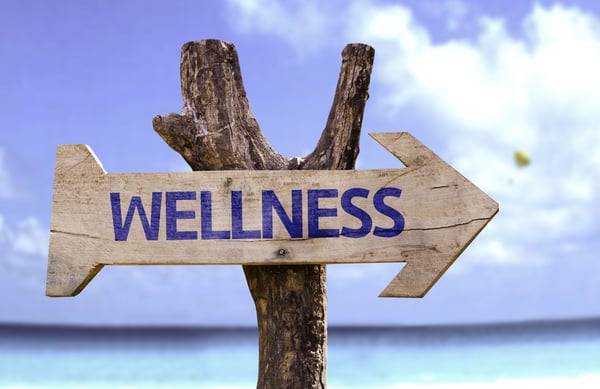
x=338 y=148
x=216 y=129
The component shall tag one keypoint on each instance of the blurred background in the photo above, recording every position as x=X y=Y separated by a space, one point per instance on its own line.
x=504 y=91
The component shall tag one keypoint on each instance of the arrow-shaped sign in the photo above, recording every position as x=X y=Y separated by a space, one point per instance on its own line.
x=424 y=215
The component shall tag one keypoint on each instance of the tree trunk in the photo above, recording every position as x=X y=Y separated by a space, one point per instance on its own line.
x=216 y=130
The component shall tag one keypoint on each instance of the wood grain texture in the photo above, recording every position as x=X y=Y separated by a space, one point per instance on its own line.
x=442 y=212
x=217 y=130
x=217 y=134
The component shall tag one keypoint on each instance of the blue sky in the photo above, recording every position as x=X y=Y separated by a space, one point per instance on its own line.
x=474 y=81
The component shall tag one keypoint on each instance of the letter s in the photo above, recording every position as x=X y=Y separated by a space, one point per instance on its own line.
x=357 y=212
x=388 y=211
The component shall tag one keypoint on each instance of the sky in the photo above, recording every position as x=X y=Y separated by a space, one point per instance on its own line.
x=474 y=81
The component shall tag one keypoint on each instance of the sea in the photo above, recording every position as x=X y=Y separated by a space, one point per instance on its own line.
x=549 y=354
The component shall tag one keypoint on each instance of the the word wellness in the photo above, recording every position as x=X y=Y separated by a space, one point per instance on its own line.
x=292 y=219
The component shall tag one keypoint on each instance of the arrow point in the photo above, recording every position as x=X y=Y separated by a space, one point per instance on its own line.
x=425 y=267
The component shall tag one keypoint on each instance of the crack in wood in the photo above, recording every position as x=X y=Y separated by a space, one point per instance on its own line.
x=75 y=234
x=448 y=226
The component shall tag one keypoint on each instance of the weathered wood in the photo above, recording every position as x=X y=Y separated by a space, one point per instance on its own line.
x=338 y=146
x=217 y=130
x=425 y=214
x=432 y=216
x=292 y=313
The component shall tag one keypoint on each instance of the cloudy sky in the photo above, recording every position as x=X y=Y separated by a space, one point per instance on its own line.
x=475 y=81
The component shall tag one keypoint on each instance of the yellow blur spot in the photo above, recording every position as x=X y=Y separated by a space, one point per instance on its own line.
x=521 y=158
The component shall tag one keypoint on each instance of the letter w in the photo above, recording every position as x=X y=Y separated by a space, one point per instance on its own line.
x=122 y=228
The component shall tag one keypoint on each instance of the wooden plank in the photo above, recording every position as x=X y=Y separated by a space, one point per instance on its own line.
x=425 y=215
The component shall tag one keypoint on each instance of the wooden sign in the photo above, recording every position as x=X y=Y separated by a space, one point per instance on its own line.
x=424 y=215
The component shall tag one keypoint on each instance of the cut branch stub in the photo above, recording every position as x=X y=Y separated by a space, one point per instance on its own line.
x=338 y=146
x=216 y=129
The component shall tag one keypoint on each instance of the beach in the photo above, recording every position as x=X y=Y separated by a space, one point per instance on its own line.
x=514 y=355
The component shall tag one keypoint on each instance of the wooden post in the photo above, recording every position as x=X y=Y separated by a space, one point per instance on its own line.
x=216 y=130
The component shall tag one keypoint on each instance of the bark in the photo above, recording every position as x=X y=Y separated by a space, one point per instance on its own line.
x=216 y=130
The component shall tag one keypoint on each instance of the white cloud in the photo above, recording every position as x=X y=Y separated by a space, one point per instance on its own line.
x=24 y=249
x=7 y=186
x=453 y=12
x=31 y=238
x=296 y=21
x=28 y=237
x=497 y=94
x=3 y=229
x=486 y=97
x=456 y=11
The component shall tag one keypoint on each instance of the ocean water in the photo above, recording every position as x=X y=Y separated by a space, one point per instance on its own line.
x=522 y=355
